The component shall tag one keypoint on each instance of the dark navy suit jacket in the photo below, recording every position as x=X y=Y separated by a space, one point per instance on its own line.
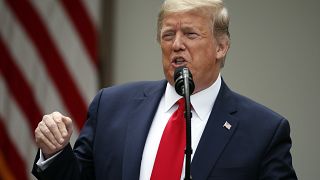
x=111 y=144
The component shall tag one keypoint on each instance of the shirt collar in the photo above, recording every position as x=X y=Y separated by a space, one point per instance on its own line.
x=201 y=104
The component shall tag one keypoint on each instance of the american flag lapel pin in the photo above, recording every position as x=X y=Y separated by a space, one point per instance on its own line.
x=227 y=125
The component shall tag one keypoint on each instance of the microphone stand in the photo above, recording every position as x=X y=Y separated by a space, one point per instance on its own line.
x=187 y=115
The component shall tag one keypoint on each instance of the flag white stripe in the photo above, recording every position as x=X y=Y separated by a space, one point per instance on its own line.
x=28 y=61
x=31 y=67
x=18 y=129
x=70 y=47
x=93 y=8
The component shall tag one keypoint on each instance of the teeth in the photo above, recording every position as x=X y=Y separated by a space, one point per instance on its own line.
x=179 y=60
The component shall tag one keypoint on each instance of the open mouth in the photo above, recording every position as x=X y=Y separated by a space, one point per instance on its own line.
x=178 y=61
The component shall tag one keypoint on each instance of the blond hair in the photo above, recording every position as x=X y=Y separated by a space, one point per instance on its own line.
x=215 y=9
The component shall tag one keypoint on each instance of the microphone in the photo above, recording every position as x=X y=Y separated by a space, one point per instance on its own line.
x=182 y=77
x=184 y=86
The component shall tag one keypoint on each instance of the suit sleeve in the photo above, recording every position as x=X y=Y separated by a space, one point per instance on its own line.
x=277 y=162
x=76 y=164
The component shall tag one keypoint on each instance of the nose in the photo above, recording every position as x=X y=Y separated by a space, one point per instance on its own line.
x=178 y=43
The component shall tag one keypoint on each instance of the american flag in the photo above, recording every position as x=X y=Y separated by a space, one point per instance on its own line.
x=48 y=62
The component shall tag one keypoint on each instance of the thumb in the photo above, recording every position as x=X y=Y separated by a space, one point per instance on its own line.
x=68 y=122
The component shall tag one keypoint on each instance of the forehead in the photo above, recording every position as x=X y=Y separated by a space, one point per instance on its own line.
x=186 y=19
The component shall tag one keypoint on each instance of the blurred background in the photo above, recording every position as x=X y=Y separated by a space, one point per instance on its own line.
x=56 y=54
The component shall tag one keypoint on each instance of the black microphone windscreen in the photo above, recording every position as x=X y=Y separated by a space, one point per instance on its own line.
x=179 y=79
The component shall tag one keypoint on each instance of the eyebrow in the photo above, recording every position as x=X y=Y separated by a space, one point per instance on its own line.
x=188 y=28
x=184 y=28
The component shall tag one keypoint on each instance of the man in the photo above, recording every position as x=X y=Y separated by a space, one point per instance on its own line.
x=232 y=136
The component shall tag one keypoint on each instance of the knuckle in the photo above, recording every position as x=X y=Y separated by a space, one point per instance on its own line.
x=40 y=124
x=68 y=120
x=46 y=131
x=46 y=120
x=58 y=120
x=56 y=113
x=51 y=125
x=64 y=134
x=45 y=117
x=56 y=116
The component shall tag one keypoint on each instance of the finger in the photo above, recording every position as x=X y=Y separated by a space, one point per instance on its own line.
x=42 y=141
x=46 y=131
x=53 y=128
x=57 y=117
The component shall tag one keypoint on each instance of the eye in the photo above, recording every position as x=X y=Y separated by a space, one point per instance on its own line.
x=167 y=36
x=192 y=35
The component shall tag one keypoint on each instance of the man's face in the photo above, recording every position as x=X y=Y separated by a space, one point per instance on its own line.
x=187 y=39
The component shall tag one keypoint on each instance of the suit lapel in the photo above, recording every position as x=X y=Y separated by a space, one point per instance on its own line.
x=144 y=108
x=215 y=136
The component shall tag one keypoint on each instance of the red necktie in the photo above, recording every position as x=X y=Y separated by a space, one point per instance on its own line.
x=170 y=155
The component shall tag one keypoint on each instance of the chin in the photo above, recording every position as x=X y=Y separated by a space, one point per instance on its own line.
x=169 y=76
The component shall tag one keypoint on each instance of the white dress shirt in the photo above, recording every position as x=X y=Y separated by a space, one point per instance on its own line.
x=202 y=103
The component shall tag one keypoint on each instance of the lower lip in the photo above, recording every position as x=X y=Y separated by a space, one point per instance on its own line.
x=175 y=65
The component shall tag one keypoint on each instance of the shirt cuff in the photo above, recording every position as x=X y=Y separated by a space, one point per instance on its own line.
x=43 y=163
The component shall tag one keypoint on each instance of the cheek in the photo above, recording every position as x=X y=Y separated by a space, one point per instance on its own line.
x=203 y=58
x=167 y=68
x=204 y=61
x=210 y=55
x=165 y=55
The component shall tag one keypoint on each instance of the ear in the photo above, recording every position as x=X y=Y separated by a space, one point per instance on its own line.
x=223 y=47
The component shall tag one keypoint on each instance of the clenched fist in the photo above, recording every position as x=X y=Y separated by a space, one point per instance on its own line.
x=53 y=133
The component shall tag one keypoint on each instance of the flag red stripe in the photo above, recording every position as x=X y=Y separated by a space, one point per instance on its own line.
x=19 y=87
x=53 y=61
x=81 y=20
x=10 y=154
